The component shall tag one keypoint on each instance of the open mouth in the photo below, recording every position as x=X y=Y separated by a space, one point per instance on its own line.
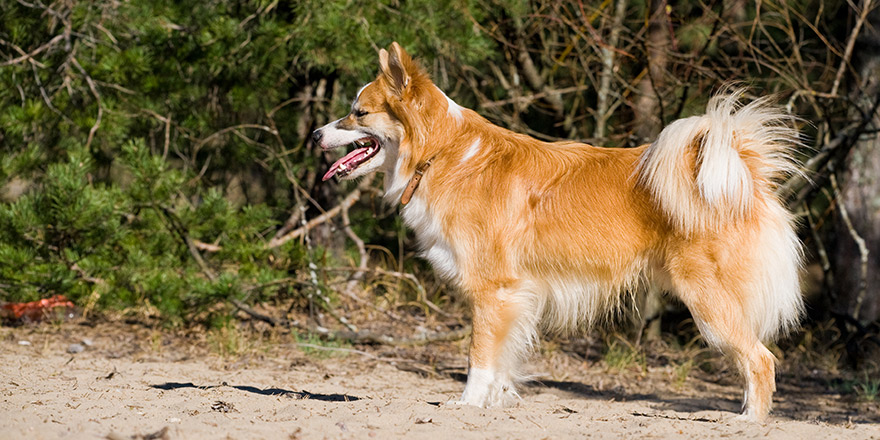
x=365 y=148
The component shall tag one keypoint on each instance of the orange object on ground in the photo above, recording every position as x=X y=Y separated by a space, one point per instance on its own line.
x=34 y=310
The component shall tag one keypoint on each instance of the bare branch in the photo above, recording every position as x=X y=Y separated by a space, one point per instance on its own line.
x=29 y=56
x=233 y=128
x=526 y=99
x=357 y=337
x=97 y=95
x=850 y=44
x=346 y=203
x=860 y=242
x=608 y=70
x=362 y=250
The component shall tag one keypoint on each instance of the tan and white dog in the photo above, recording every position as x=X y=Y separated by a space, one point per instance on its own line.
x=543 y=235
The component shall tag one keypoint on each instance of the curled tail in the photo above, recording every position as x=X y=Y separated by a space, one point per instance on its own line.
x=708 y=170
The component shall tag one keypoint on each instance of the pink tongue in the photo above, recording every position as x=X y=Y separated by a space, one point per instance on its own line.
x=348 y=157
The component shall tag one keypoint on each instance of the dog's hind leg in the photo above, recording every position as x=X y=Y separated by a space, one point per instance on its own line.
x=720 y=313
x=503 y=331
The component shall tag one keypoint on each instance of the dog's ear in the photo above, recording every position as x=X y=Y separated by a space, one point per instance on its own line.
x=397 y=67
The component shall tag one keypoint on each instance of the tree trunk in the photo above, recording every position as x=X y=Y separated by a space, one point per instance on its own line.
x=855 y=253
x=603 y=95
x=648 y=122
x=648 y=117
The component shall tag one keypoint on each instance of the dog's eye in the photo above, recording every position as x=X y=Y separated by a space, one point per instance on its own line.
x=360 y=113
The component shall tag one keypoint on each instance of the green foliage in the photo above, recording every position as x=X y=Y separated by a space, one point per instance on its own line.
x=124 y=245
x=622 y=355
x=142 y=128
x=150 y=149
x=313 y=345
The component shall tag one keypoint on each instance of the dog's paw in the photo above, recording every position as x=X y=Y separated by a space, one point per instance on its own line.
x=749 y=417
x=469 y=398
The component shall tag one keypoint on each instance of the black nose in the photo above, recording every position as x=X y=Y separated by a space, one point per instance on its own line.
x=316 y=136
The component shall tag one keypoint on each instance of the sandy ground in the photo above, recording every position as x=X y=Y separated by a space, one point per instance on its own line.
x=134 y=383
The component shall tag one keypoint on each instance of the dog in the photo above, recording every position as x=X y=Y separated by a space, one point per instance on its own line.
x=551 y=236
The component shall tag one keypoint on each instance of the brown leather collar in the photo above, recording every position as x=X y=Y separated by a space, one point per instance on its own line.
x=414 y=182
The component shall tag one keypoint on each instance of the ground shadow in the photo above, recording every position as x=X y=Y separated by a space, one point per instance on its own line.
x=664 y=403
x=262 y=391
x=583 y=391
x=791 y=402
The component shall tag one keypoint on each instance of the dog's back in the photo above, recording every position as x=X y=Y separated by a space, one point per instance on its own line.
x=559 y=232
x=535 y=233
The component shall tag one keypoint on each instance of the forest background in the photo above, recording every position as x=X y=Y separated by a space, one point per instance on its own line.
x=156 y=163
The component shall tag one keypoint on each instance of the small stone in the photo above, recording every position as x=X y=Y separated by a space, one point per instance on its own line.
x=87 y=342
x=224 y=407
x=75 y=348
x=24 y=342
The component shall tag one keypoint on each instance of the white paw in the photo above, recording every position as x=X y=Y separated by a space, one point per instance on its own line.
x=748 y=416
x=487 y=389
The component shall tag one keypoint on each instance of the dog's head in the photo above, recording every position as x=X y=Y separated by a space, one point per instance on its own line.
x=388 y=119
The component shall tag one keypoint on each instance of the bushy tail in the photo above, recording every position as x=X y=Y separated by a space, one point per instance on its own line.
x=711 y=170
x=706 y=170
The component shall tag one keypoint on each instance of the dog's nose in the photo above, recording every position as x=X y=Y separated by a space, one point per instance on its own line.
x=316 y=136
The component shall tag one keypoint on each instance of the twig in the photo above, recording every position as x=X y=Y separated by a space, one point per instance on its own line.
x=362 y=250
x=85 y=276
x=386 y=312
x=30 y=55
x=46 y=9
x=338 y=349
x=850 y=44
x=795 y=183
x=367 y=337
x=420 y=290
x=90 y=301
x=346 y=203
x=860 y=242
x=358 y=337
x=233 y=128
x=537 y=82
x=45 y=95
x=366 y=354
x=820 y=249
x=798 y=187
x=94 y=90
x=177 y=227
x=207 y=247
x=295 y=216
x=274 y=322
x=532 y=97
x=608 y=70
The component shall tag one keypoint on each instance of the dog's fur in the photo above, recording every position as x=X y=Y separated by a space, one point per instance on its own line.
x=554 y=234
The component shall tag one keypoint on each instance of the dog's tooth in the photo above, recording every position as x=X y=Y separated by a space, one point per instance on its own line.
x=343 y=167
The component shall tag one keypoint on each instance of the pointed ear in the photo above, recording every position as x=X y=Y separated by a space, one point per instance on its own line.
x=397 y=67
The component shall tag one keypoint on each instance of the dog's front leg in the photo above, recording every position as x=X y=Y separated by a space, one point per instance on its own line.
x=493 y=352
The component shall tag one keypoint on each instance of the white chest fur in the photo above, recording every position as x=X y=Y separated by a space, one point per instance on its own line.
x=432 y=240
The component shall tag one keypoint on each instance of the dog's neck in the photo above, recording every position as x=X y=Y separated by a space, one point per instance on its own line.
x=435 y=131
x=414 y=182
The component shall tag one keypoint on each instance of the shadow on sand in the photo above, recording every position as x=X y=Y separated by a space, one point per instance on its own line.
x=262 y=391
x=795 y=400
x=661 y=403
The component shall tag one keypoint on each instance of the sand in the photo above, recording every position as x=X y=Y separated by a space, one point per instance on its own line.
x=134 y=383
